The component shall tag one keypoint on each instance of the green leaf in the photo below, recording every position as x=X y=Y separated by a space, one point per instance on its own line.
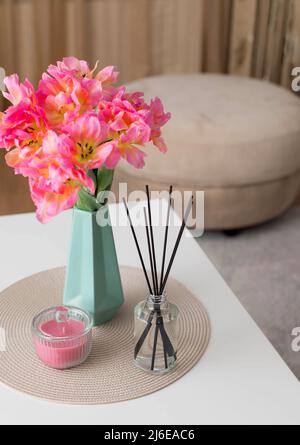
x=102 y=179
x=93 y=174
x=105 y=178
x=86 y=201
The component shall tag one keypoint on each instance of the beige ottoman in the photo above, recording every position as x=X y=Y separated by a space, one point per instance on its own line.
x=238 y=139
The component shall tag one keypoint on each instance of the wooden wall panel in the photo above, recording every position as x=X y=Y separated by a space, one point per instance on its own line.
x=216 y=38
x=14 y=192
x=291 y=54
x=276 y=39
x=242 y=36
x=104 y=42
x=176 y=36
x=261 y=37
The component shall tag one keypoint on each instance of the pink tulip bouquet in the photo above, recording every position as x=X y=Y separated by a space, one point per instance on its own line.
x=67 y=136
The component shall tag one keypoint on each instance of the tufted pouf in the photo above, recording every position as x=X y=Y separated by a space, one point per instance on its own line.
x=236 y=138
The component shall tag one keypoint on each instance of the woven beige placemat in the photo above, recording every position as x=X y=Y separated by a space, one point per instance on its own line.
x=109 y=374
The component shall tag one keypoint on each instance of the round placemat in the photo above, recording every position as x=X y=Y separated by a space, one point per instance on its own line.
x=109 y=374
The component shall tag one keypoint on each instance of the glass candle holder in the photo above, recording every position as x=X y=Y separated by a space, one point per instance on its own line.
x=156 y=324
x=62 y=336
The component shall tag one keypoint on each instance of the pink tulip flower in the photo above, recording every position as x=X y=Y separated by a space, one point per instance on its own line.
x=77 y=121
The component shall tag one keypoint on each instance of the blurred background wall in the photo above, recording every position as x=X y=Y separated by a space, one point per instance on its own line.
x=259 y=38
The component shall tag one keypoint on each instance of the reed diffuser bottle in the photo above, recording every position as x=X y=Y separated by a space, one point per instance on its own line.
x=155 y=319
x=155 y=331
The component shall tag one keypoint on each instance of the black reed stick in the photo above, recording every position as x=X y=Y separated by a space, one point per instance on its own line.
x=164 y=336
x=165 y=350
x=189 y=207
x=149 y=247
x=152 y=240
x=137 y=246
x=154 y=346
x=167 y=345
x=165 y=242
x=144 y=335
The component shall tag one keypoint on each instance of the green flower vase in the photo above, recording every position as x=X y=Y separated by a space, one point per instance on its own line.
x=93 y=281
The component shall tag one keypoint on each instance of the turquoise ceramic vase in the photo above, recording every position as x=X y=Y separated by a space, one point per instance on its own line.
x=93 y=280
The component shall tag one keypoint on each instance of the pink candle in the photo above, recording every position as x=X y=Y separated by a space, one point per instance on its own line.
x=62 y=337
x=70 y=328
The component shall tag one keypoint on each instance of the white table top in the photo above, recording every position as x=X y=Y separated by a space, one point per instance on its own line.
x=240 y=380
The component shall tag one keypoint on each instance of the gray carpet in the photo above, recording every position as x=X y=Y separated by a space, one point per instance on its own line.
x=262 y=267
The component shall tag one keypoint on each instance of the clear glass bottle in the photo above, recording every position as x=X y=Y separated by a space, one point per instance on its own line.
x=155 y=321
